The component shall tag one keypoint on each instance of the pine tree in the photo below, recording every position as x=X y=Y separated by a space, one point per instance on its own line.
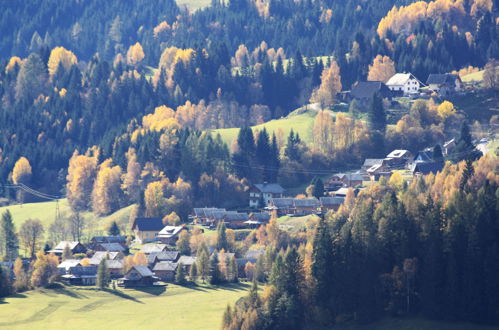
x=377 y=116
x=8 y=237
x=114 y=229
x=203 y=263
x=103 y=277
x=5 y=284
x=193 y=273
x=465 y=149
x=215 y=275
x=322 y=261
x=222 y=242
x=180 y=276
x=318 y=187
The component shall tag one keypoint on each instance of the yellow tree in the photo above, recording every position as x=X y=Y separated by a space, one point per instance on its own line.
x=382 y=69
x=323 y=132
x=135 y=54
x=154 y=199
x=107 y=189
x=80 y=180
x=445 y=110
x=21 y=174
x=14 y=60
x=131 y=180
x=61 y=56
x=329 y=87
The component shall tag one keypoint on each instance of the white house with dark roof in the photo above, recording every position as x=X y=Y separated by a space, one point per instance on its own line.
x=264 y=192
x=444 y=84
x=404 y=83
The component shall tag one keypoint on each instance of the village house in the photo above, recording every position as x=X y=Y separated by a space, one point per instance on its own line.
x=166 y=270
x=207 y=215
x=444 y=84
x=306 y=206
x=398 y=158
x=339 y=180
x=109 y=247
x=75 y=247
x=80 y=275
x=154 y=258
x=115 y=268
x=99 y=255
x=138 y=276
x=377 y=171
x=370 y=162
x=153 y=248
x=256 y=219
x=448 y=147
x=264 y=192
x=342 y=192
x=234 y=219
x=423 y=168
x=280 y=206
x=330 y=203
x=364 y=91
x=187 y=261
x=65 y=265
x=108 y=239
x=169 y=234
x=146 y=229
x=404 y=84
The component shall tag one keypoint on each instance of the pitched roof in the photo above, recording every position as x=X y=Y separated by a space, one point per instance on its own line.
x=168 y=255
x=368 y=162
x=282 y=202
x=115 y=264
x=83 y=270
x=109 y=239
x=440 y=79
x=254 y=253
x=271 y=188
x=165 y=265
x=427 y=167
x=400 y=79
x=332 y=201
x=260 y=216
x=152 y=248
x=99 y=255
x=425 y=155
x=148 y=224
x=206 y=212
x=353 y=177
x=186 y=260
x=306 y=202
x=112 y=247
x=144 y=271
x=367 y=89
x=170 y=231
x=235 y=216
x=62 y=245
x=398 y=153
x=68 y=263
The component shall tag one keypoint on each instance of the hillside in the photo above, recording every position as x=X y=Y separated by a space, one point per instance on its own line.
x=178 y=307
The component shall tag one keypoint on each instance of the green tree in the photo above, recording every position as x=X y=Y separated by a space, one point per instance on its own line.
x=103 y=276
x=8 y=238
x=317 y=187
x=437 y=154
x=180 y=276
x=114 y=229
x=5 y=284
x=215 y=276
x=203 y=261
x=377 y=116
x=183 y=243
x=468 y=172
x=322 y=261
x=193 y=273
x=465 y=149
x=222 y=242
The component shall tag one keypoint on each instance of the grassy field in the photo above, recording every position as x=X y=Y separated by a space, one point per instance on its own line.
x=473 y=77
x=300 y=121
x=194 y=5
x=177 y=307
x=294 y=224
x=45 y=212
x=480 y=105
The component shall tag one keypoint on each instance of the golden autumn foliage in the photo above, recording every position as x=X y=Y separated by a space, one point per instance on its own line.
x=61 y=56
x=107 y=189
x=22 y=171
x=135 y=54
x=131 y=179
x=168 y=60
x=163 y=117
x=44 y=269
x=446 y=109
x=80 y=180
x=405 y=18
x=479 y=7
x=329 y=87
x=14 y=60
x=160 y=28
x=382 y=69
x=154 y=199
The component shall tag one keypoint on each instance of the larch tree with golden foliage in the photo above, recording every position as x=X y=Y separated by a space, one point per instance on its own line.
x=21 y=174
x=154 y=199
x=44 y=269
x=135 y=54
x=60 y=56
x=330 y=85
x=107 y=189
x=80 y=180
x=131 y=180
x=382 y=69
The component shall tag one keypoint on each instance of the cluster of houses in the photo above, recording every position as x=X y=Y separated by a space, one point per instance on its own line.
x=406 y=84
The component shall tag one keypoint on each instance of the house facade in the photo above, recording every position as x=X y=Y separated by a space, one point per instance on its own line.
x=264 y=192
x=166 y=270
x=365 y=90
x=75 y=247
x=404 y=84
x=138 y=276
x=444 y=84
x=146 y=229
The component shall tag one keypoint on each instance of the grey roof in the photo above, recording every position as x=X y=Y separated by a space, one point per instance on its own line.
x=367 y=89
x=83 y=270
x=165 y=265
x=333 y=201
x=144 y=271
x=68 y=263
x=427 y=167
x=235 y=216
x=112 y=247
x=282 y=202
x=398 y=153
x=271 y=188
x=152 y=248
x=206 y=212
x=109 y=239
x=353 y=177
x=368 y=162
x=62 y=245
x=99 y=255
x=440 y=79
x=168 y=255
x=306 y=202
x=254 y=253
x=114 y=264
x=148 y=224
x=187 y=260
x=260 y=216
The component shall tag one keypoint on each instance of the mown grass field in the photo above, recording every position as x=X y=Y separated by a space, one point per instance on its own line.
x=194 y=5
x=46 y=211
x=177 y=307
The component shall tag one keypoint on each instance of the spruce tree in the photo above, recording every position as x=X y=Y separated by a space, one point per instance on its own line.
x=180 y=276
x=5 y=284
x=103 y=276
x=114 y=229
x=377 y=116
x=465 y=149
x=215 y=275
x=8 y=237
x=468 y=172
x=193 y=273
x=66 y=253
x=322 y=261
x=318 y=187
x=222 y=242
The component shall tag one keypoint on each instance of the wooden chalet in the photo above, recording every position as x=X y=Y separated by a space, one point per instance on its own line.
x=330 y=203
x=138 y=276
x=80 y=275
x=166 y=270
x=99 y=255
x=74 y=246
x=264 y=192
x=146 y=229
x=109 y=247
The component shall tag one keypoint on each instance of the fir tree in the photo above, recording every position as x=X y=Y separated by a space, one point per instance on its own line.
x=318 y=187
x=222 y=242
x=215 y=275
x=465 y=149
x=114 y=229
x=468 y=172
x=322 y=260
x=8 y=237
x=193 y=272
x=103 y=276
x=180 y=276
x=377 y=116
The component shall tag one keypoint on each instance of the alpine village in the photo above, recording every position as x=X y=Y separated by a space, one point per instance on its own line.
x=249 y=164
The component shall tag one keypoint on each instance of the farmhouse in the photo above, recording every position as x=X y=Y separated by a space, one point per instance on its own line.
x=166 y=270
x=257 y=219
x=154 y=258
x=109 y=247
x=339 y=180
x=153 y=248
x=80 y=275
x=138 y=276
x=234 y=219
x=306 y=206
x=399 y=158
x=370 y=162
x=146 y=229
x=404 y=84
x=444 y=84
x=365 y=90
x=75 y=247
x=115 y=268
x=187 y=261
x=170 y=234
x=207 y=215
x=98 y=256
x=108 y=239
x=67 y=264
x=264 y=192
x=280 y=206
x=330 y=203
